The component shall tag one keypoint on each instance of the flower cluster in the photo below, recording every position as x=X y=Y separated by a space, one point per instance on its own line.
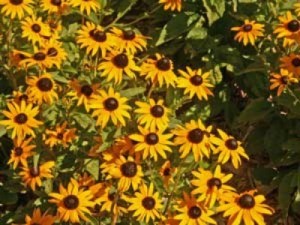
x=93 y=133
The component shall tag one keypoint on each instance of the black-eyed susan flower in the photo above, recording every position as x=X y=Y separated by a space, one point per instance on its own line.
x=94 y=151
x=146 y=204
x=172 y=5
x=61 y=135
x=95 y=39
x=129 y=40
x=32 y=176
x=54 y=6
x=159 y=70
x=291 y=63
x=109 y=106
x=86 y=5
x=73 y=202
x=55 y=52
x=16 y=8
x=229 y=148
x=21 y=151
x=21 y=119
x=39 y=58
x=191 y=212
x=117 y=64
x=167 y=172
x=246 y=207
x=195 y=82
x=128 y=172
x=19 y=96
x=42 y=89
x=210 y=186
x=192 y=137
x=39 y=218
x=110 y=200
x=288 y=28
x=153 y=114
x=83 y=93
x=248 y=32
x=281 y=80
x=34 y=29
x=16 y=56
x=85 y=180
x=152 y=143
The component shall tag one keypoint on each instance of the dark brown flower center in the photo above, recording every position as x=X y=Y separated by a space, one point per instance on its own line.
x=231 y=144
x=60 y=136
x=111 y=196
x=53 y=25
x=163 y=64
x=157 y=111
x=194 y=212
x=44 y=84
x=167 y=172
x=293 y=26
x=86 y=90
x=39 y=56
x=129 y=169
x=52 y=52
x=71 y=202
x=296 y=62
x=247 y=27
x=128 y=35
x=196 y=80
x=214 y=182
x=195 y=136
x=111 y=104
x=21 y=118
x=22 y=56
x=56 y=2
x=34 y=172
x=98 y=35
x=148 y=203
x=120 y=60
x=151 y=138
x=246 y=201
x=284 y=80
x=18 y=151
x=16 y=2
x=23 y=97
x=36 y=28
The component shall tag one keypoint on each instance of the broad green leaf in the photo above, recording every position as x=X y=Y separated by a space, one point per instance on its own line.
x=92 y=166
x=7 y=197
x=215 y=9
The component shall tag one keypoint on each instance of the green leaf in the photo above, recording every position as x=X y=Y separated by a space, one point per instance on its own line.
x=2 y=130
x=130 y=92
x=255 y=111
x=285 y=192
x=215 y=9
x=92 y=166
x=264 y=175
x=7 y=197
x=171 y=30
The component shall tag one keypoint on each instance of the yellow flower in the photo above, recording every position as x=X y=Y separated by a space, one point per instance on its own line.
x=167 y=173
x=39 y=218
x=281 y=80
x=61 y=135
x=146 y=204
x=159 y=70
x=55 y=52
x=39 y=58
x=22 y=150
x=191 y=212
x=128 y=172
x=193 y=137
x=210 y=185
x=245 y=207
x=153 y=115
x=86 y=5
x=95 y=39
x=21 y=119
x=248 y=32
x=229 y=149
x=152 y=142
x=16 y=8
x=109 y=105
x=117 y=64
x=34 y=29
x=129 y=41
x=288 y=28
x=33 y=176
x=54 y=6
x=73 y=203
x=172 y=4
x=42 y=89
x=195 y=82
x=297 y=8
